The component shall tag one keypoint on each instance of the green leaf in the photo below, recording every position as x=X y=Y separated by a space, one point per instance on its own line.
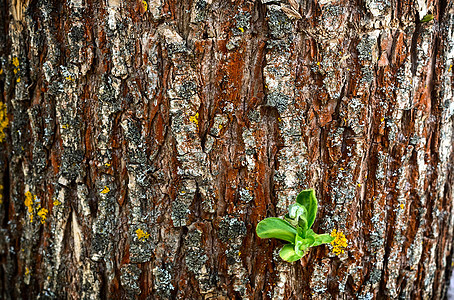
x=288 y=253
x=427 y=18
x=302 y=223
x=299 y=249
x=276 y=228
x=297 y=216
x=322 y=239
x=301 y=245
x=307 y=199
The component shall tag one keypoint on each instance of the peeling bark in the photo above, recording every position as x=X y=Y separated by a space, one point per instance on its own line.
x=144 y=141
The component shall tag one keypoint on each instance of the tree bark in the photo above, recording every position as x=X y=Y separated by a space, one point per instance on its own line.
x=144 y=141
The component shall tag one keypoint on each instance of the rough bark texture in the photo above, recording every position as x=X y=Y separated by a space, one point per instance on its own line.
x=145 y=140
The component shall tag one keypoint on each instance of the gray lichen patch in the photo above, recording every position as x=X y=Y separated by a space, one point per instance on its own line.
x=278 y=100
x=163 y=282
x=243 y=22
x=279 y=24
x=180 y=206
x=232 y=231
x=129 y=279
x=142 y=243
x=196 y=261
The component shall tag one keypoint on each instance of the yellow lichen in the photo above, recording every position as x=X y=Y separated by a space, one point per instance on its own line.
x=3 y=121
x=402 y=206
x=1 y=71
x=69 y=78
x=1 y=193
x=15 y=62
x=194 y=119
x=29 y=201
x=142 y=235
x=339 y=243
x=29 y=204
x=241 y=29
x=107 y=164
x=27 y=271
x=18 y=80
x=145 y=5
x=56 y=202
x=65 y=126
x=42 y=213
x=105 y=190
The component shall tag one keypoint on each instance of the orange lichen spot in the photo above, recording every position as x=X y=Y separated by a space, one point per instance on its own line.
x=3 y=121
x=105 y=190
x=195 y=119
x=29 y=204
x=145 y=5
x=29 y=201
x=382 y=119
x=342 y=169
x=1 y=193
x=15 y=62
x=1 y=71
x=142 y=235
x=339 y=243
x=42 y=213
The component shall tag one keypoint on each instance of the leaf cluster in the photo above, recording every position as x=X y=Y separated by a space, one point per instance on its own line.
x=295 y=228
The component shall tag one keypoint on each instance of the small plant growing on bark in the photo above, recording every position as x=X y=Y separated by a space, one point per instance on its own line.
x=295 y=228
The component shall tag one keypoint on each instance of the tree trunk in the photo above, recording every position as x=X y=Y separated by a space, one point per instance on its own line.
x=144 y=140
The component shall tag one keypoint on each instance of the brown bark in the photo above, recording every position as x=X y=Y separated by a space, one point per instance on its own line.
x=146 y=140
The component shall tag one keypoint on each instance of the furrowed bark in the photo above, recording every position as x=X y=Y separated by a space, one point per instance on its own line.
x=144 y=141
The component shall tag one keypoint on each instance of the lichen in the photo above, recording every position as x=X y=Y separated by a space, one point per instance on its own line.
x=194 y=119
x=163 y=282
x=3 y=121
x=339 y=243
x=42 y=213
x=142 y=235
x=129 y=279
x=105 y=190
x=29 y=204
x=230 y=229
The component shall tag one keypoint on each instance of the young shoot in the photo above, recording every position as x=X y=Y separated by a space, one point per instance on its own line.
x=295 y=228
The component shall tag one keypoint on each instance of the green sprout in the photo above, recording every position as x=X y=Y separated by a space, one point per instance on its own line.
x=427 y=18
x=295 y=228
